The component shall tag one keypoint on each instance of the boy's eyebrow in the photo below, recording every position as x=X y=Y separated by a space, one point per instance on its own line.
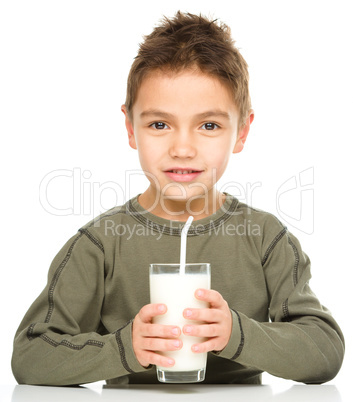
x=209 y=113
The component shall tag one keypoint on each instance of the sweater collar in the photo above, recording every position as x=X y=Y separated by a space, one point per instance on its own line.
x=174 y=228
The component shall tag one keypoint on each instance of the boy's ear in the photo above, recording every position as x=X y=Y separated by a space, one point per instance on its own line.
x=243 y=133
x=129 y=128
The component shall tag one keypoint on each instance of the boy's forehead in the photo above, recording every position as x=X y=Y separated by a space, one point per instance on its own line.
x=168 y=75
x=188 y=86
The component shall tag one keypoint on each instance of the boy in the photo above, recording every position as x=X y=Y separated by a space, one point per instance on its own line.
x=187 y=109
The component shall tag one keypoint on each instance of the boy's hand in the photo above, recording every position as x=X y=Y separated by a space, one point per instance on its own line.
x=149 y=338
x=217 y=320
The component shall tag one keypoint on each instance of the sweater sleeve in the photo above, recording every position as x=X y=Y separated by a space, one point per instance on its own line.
x=58 y=341
x=302 y=341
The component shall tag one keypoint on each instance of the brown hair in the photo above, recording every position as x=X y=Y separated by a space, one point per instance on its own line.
x=187 y=41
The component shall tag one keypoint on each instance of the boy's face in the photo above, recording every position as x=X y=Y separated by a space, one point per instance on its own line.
x=185 y=128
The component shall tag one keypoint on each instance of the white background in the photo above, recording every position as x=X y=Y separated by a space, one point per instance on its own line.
x=63 y=75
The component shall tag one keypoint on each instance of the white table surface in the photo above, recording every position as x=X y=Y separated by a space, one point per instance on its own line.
x=179 y=392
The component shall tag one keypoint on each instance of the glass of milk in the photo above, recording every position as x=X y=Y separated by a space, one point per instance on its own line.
x=177 y=291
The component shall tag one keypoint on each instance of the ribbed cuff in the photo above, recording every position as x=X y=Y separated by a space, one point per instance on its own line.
x=127 y=355
x=236 y=341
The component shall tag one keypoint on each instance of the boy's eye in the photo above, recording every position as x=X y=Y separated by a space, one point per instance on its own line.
x=158 y=125
x=210 y=126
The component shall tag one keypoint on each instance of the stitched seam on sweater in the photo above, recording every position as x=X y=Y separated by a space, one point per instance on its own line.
x=242 y=338
x=273 y=245
x=94 y=240
x=285 y=310
x=70 y=345
x=296 y=263
x=56 y=278
x=64 y=342
x=30 y=332
x=107 y=215
x=176 y=232
x=122 y=349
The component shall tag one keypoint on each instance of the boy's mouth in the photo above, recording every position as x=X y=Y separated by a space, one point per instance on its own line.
x=179 y=171
x=182 y=174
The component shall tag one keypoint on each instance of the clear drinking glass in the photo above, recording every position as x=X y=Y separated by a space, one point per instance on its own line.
x=177 y=291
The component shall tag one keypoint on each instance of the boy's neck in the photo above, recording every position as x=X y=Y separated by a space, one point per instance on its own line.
x=177 y=210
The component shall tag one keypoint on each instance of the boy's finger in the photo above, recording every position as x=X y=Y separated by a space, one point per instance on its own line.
x=161 y=331
x=203 y=314
x=161 y=345
x=149 y=311
x=211 y=296
x=202 y=331
x=158 y=360
x=204 y=347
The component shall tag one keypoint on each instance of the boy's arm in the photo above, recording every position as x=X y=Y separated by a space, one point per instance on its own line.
x=302 y=342
x=58 y=342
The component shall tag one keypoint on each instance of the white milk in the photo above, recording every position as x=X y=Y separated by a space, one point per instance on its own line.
x=177 y=292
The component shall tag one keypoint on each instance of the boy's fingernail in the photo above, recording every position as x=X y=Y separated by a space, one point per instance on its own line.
x=188 y=313
x=175 y=331
x=170 y=362
x=177 y=344
x=187 y=329
x=195 y=348
x=161 y=308
x=199 y=293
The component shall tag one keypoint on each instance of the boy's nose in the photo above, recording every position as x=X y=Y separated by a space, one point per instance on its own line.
x=182 y=147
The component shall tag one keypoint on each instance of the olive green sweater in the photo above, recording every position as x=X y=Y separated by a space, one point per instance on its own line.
x=79 y=328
